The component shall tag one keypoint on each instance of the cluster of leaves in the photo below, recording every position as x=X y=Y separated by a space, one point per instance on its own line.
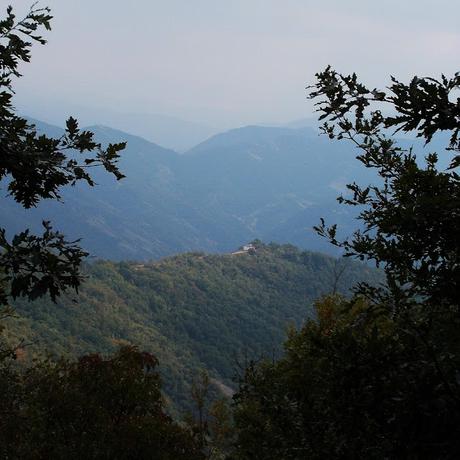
x=94 y=408
x=33 y=265
x=34 y=167
x=411 y=219
x=347 y=387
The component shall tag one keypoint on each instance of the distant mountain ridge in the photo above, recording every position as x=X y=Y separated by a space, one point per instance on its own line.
x=247 y=135
x=253 y=182
x=169 y=131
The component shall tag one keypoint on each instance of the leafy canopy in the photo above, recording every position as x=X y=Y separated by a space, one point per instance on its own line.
x=348 y=386
x=376 y=376
x=95 y=407
x=411 y=219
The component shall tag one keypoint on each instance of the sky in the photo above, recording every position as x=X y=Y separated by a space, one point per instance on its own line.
x=227 y=63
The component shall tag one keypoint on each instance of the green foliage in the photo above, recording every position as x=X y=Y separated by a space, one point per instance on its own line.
x=95 y=408
x=192 y=311
x=411 y=219
x=348 y=387
x=35 y=167
x=376 y=378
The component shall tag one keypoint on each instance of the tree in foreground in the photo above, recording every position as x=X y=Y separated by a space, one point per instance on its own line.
x=94 y=408
x=34 y=167
x=348 y=386
x=377 y=376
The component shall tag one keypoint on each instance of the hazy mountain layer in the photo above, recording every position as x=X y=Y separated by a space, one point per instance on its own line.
x=253 y=182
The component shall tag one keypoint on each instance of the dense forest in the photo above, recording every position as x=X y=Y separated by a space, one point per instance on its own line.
x=193 y=311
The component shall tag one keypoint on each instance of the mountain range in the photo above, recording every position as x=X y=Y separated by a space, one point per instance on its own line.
x=270 y=183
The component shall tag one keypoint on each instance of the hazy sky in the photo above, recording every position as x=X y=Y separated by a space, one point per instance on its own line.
x=225 y=62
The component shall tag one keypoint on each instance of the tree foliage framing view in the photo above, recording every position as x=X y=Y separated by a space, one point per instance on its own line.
x=411 y=221
x=35 y=167
x=95 y=407
x=376 y=376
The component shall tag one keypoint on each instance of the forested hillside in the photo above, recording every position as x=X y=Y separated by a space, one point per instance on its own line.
x=192 y=311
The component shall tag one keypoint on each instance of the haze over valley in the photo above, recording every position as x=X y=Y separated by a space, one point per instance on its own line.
x=229 y=230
